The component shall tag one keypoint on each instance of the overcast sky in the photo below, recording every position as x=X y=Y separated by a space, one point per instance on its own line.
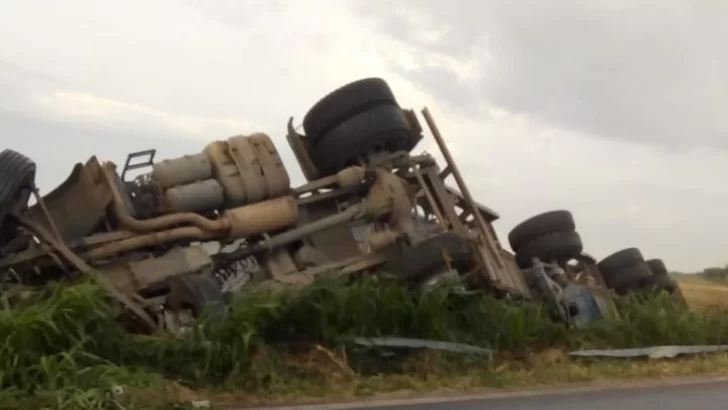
x=613 y=109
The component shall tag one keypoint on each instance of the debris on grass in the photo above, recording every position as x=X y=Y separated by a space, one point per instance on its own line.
x=653 y=352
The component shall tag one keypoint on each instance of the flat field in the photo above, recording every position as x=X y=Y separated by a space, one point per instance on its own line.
x=703 y=293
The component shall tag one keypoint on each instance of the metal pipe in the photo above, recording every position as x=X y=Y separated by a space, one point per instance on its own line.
x=44 y=208
x=76 y=245
x=162 y=222
x=430 y=200
x=151 y=239
x=295 y=234
x=84 y=268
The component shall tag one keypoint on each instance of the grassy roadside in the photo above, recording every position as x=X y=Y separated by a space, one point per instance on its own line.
x=67 y=353
x=319 y=379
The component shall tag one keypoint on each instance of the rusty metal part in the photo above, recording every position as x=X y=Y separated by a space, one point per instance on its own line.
x=336 y=242
x=182 y=171
x=133 y=276
x=430 y=199
x=248 y=168
x=46 y=214
x=242 y=222
x=488 y=214
x=389 y=195
x=188 y=233
x=78 y=205
x=359 y=263
x=274 y=172
x=239 y=222
x=200 y=196
x=279 y=263
x=306 y=257
x=330 y=187
x=316 y=186
x=84 y=268
x=382 y=239
x=159 y=223
x=271 y=243
x=261 y=217
x=318 y=196
x=301 y=150
x=486 y=241
x=76 y=245
x=387 y=198
x=351 y=176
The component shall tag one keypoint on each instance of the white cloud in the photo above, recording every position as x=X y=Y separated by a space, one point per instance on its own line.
x=97 y=111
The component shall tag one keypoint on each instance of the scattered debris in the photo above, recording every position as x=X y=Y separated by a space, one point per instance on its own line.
x=407 y=343
x=654 y=352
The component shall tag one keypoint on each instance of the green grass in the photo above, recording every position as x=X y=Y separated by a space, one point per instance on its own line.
x=66 y=351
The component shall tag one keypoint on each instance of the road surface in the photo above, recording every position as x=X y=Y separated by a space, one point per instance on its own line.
x=686 y=394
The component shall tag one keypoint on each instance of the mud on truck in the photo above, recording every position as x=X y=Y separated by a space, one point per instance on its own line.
x=181 y=235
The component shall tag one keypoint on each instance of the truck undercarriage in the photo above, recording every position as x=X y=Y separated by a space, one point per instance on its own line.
x=172 y=241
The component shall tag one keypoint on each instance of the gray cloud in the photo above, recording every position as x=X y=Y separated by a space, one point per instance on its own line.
x=642 y=70
x=55 y=145
x=56 y=142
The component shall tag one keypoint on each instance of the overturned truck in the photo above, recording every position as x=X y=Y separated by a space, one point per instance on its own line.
x=171 y=241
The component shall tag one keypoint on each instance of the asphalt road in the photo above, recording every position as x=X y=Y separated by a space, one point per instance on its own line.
x=678 y=395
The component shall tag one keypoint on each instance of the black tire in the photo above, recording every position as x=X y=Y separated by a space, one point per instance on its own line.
x=664 y=282
x=540 y=225
x=634 y=277
x=17 y=177
x=560 y=246
x=425 y=259
x=343 y=103
x=382 y=128
x=619 y=260
x=657 y=267
x=200 y=293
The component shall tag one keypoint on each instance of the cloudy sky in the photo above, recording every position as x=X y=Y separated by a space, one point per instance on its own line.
x=610 y=108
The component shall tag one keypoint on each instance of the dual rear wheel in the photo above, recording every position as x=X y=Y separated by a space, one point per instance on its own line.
x=549 y=237
x=627 y=271
x=552 y=237
x=354 y=121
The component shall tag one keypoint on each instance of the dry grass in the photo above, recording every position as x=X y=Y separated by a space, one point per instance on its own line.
x=429 y=374
x=702 y=293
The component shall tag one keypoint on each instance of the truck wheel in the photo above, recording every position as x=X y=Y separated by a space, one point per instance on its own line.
x=619 y=260
x=17 y=176
x=664 y=282
x=660 y=277
x=540 y=225
x=195 y=294
x=428 y=258
x=634 y=277
x=383 y=128
x=343 y=103
x=657 y=267
x=560 y=246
